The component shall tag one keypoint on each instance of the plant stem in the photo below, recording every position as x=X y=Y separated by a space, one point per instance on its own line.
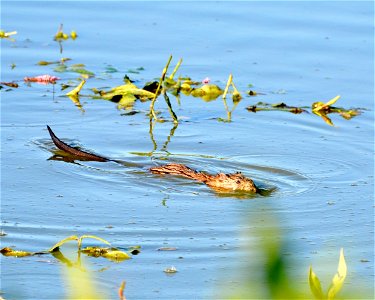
x=152 y=111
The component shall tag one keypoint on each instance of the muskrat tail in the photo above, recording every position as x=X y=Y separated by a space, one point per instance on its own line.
x=69 y=149
x=181 y=170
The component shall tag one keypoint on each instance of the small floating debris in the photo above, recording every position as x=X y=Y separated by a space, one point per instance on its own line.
x=262 y=106
x=171 y=270
x=167 y=249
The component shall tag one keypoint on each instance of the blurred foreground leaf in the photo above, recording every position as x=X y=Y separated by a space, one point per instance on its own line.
x=339 y=278
x=315 y=285
x=337 y=281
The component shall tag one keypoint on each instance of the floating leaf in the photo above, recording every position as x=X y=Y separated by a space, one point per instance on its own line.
x=207 y=92
x=129 y=90
x=339 y=278
x=318 y=106
x=77 y=89
x=126 y=102
x=110 y=69
x=81 y=70
x=116 y=255
x=315 y=285
x=63 y=241
x=60 y=68
x=11 y=252
x=109 y=253
x=7 y=35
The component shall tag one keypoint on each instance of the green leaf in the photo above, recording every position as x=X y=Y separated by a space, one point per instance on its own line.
x=315 y=285
x=60 y=68
x=81 y=70
x=339 y=278
x=63 y=241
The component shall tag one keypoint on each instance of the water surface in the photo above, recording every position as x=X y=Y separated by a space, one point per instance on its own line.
x=293 y=52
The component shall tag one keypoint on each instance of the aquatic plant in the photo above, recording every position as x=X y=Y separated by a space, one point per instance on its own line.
x=109 y=253
x=7 y=35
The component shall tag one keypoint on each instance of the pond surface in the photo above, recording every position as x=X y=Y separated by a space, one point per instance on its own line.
x=292 y=52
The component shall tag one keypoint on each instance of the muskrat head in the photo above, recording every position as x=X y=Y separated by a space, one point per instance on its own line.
x=234 y=182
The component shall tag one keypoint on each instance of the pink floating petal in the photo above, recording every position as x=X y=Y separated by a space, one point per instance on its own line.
x=206 y=80
x=42 y=79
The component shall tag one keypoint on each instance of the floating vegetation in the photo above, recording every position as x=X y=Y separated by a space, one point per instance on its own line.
x=323 y=109
x=110 y=253
x=170 y=270
x=76 y=90
x=262 y=106
x=126 y=95
x=61 y=36
x=10 y=84
x=320 y=109
x=46 y=63
x=7 y=35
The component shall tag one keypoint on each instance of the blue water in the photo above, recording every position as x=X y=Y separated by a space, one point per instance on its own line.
x=292 y=52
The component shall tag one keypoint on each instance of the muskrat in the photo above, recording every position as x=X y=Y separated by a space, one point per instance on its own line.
x=220 y=181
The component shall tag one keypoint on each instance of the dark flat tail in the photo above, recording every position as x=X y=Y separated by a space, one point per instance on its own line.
x=74 y=151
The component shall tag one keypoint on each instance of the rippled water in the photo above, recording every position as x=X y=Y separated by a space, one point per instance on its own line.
x=320 y=177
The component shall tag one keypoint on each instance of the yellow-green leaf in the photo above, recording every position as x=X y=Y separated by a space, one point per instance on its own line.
x=63 y=241
x=76 y=90
x=207 y=92
x=91 y=237
x=317 y=106
x=116 y=255
x=333 y=100
x=73 y=35
x=11 y=252
x=315 y=285
x=339 y=278
x=126 y=101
